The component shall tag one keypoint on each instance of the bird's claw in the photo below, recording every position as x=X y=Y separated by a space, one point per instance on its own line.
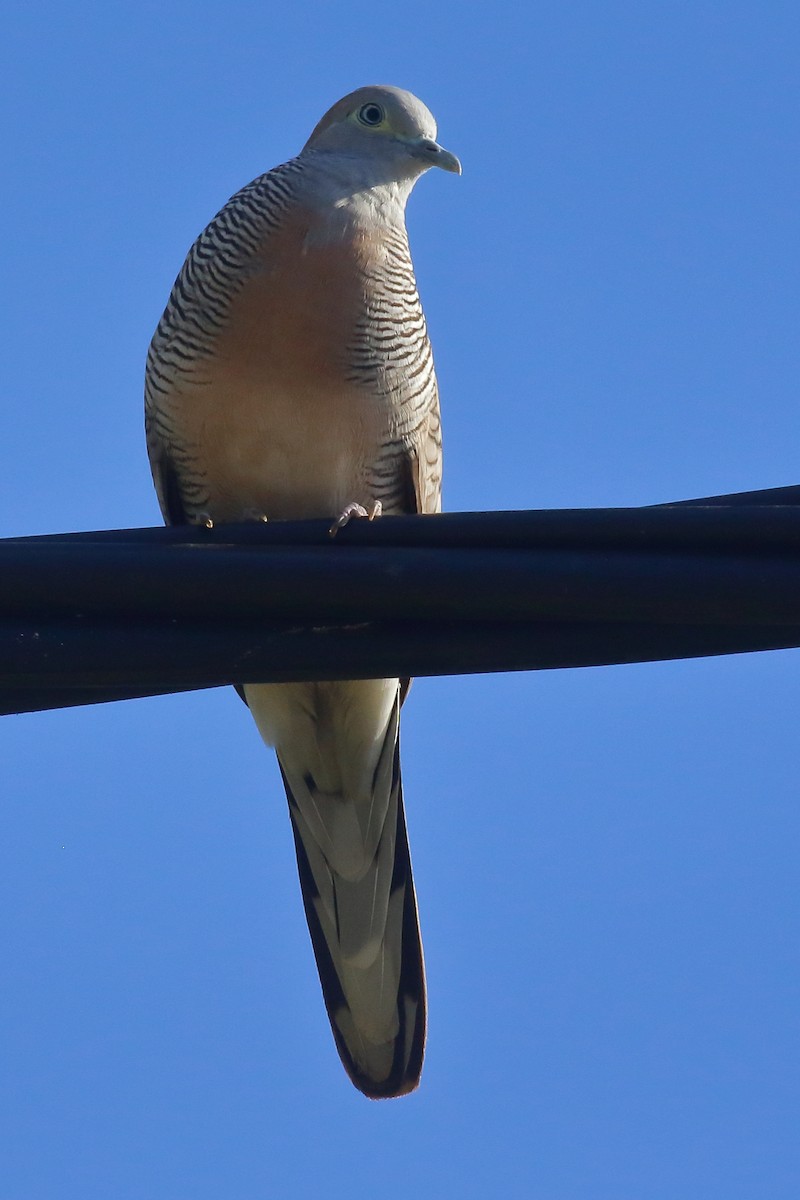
x=355 y=510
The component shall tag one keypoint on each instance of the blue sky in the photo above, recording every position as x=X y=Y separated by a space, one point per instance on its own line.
x=606 y=859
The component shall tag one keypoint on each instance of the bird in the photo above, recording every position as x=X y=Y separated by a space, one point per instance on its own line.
x=291 y=377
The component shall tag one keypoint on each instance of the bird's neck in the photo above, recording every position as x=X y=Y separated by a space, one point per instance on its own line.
x=355 y=191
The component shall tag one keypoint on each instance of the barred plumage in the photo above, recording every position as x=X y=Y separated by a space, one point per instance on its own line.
x=291 y=375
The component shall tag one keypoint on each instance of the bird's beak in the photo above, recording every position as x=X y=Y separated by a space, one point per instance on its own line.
x=434 y=155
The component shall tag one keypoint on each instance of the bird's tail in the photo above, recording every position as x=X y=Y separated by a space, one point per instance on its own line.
x=338 y=749
x=362 y=917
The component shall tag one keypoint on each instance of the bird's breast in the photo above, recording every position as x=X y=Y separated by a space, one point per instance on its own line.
x=294 y=313
x=280 y=423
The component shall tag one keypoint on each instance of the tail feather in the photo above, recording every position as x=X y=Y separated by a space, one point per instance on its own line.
x=368 y=951
x=338 y=749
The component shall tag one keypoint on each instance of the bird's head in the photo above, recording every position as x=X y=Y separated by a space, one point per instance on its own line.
x=386 y=126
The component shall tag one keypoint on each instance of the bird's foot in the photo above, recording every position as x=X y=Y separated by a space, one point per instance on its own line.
x=254 y=514
x=206 y=519
x=355 y=510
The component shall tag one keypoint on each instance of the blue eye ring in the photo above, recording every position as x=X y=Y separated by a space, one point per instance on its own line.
x=370 y=114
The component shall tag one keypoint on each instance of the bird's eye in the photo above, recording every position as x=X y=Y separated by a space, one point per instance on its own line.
x=370 y=114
